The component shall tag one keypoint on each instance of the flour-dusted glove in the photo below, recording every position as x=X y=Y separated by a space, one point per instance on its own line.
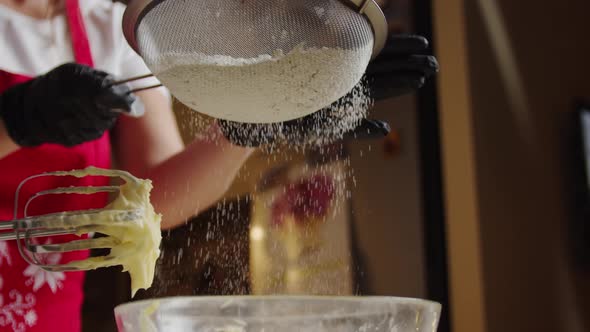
x=318 y=128
x=69 y=105
x=344 y=119
x=402 y=67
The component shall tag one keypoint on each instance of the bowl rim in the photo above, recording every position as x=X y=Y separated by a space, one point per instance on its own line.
x=432 y=306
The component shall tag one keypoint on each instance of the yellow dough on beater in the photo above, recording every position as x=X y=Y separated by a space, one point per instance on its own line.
x=134 y=244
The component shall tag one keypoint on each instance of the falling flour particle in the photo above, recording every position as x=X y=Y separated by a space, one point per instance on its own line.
x=265 y=89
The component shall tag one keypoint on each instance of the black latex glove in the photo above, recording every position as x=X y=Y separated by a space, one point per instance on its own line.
x=369 y=129
x=69 y=105
x=402 y=67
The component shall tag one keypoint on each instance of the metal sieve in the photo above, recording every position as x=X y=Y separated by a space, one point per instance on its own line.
x=180 y=40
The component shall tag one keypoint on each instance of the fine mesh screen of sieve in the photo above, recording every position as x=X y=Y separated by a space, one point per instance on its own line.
x=257 y=61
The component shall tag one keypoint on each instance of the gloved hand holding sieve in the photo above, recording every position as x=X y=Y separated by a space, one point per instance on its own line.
x=264 y=67
x=69 y=105
x=401 y=68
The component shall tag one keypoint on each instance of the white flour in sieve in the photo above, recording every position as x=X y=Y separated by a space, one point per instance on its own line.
x=265 y=89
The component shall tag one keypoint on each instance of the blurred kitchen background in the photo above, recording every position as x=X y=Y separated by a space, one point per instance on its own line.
x=477 y=199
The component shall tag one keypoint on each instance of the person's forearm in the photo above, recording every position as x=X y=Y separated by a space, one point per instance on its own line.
x=7 y=145
x=194 y=179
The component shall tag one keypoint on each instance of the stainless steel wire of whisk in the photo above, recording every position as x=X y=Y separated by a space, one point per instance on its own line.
x=26 y=231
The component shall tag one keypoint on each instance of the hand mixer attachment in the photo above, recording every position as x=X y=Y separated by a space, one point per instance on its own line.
x=27 y=230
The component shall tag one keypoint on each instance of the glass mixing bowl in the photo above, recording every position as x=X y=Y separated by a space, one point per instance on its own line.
x=279 y=313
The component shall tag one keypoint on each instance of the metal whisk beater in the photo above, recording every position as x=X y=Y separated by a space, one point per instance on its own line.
x=30 y=228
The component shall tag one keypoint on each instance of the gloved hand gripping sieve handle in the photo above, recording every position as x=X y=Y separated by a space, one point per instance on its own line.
x=137 y=109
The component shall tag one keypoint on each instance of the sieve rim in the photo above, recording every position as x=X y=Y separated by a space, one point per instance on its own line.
x=137 y=9
x=376 y=18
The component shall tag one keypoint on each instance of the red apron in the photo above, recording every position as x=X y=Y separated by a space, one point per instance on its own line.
x=32 y=299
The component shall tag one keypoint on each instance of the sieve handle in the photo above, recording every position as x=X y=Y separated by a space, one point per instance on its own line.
x=131 y=79
x=137 y=78
x=146 y=88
